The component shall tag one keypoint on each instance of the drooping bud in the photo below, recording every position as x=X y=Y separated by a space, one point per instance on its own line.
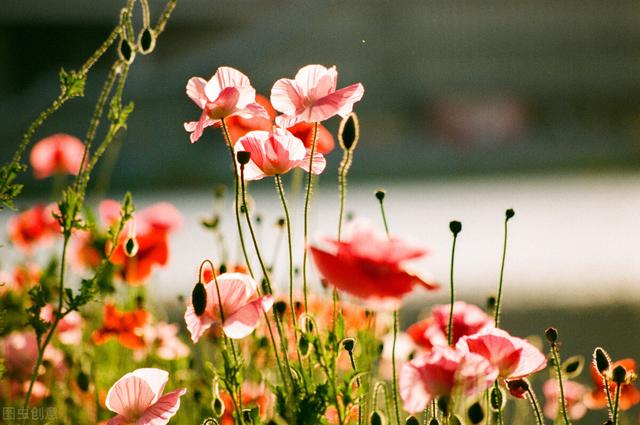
x=377 y=418
x=243 y=157
x=475 y=413
x=146 y=41
x=349 y=132
x=602 y=360
x=126 y=51
x=552 y=335
x=199 y=298
x=518 y=387
x=455 y=227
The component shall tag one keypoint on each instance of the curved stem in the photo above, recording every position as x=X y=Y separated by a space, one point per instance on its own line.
x=287 y=218
x=451 y=288
x=306 y=215
x=535 y=406
x=504 y=255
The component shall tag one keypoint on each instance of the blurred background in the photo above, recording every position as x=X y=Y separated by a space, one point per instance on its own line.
x=470 y=108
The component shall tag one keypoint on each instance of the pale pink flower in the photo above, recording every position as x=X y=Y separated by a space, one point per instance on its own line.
x=573 y=394
x=56 y=154
x=312 y=96
x=514 y=357
x=228 y=93
x=276 y=152
x=69 y=329
x=468 y=319
x=137 y=398
x=163 y=338
x=441 y=372
x=241 y=307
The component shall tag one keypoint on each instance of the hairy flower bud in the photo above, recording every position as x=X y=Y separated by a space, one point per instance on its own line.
x=199 y=298
x=552 y=335
x=602 y=360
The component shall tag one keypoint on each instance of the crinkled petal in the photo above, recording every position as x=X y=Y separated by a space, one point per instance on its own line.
x=197 y=325
x=161 y=411
x=195 y=91
x=245 y=320
x=318 y=165
x=285 y=97
x=130 y=394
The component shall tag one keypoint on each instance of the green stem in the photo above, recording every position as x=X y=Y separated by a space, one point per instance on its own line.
x=306 y=215
x=608 y=393
x=535 y=406
x=616 y=404
x=452 y=295
x=344 y=169
x=393 y=364
x=563 y=402
x=283 y=199
x=504 y=255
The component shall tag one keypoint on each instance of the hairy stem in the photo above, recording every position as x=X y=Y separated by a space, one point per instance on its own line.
x=306 y=215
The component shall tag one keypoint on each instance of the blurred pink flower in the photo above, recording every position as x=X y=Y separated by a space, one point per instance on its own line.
x=369 y=265
x=137 y=398
x=573 y=393
x=312 y=96
x=56 y=154
x=228 y=93
x=241 y=307
x=163 y=338
x=33 y=226
x=468 y=319
x=69 y=329
x=276 y=152
x=514 y=357
x=441 y=372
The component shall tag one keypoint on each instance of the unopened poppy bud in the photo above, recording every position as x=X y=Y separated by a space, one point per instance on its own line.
x=602 y=360
x=303 y=345
x=377 y=418
x=265 y=286
x=491 y=303
x=280 y=307
x=434 y=421
x=223 y=268
x=131 y=247
x=380 y=195
x=443 y=404
x=243 y=157
x=348 y=344
x=197 y=395
x=572 y=367
x=412 y=420
x=455 y=227
x=199 y=298
x=619 y=374
x=82 y=379
x=146 y=41
x=217 y=406
x=281 y=222
x=518 y=387
x=509 y=214
x=140 y=302
x=455 y=420
x=552 y=335
x=349 y=132
x=475 y=413
x=125 y=51
x=497 y=399
x=246 y=415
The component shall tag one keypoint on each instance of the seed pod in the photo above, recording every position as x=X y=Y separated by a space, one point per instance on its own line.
x=146 y=41
x=199 y=298
x=349 y=132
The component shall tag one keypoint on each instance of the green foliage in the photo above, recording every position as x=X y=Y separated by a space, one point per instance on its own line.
x=72 y=83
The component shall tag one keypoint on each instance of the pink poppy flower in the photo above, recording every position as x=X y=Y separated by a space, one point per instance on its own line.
x=228 y=93
x=369 y=265
x=241 y=307
x=56 y=154
x=33 y=226
x=69 y=329
x=573 y=394
x=163 y=338
x=312 y=96
x=276 y=152
x=514 y=357
x=468 y=319
x=441 y=372
x=137 y=398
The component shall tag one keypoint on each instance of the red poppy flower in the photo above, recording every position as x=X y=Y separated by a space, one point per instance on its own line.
x=33 y=226
x=629 y=393
x=126 y=326
x=369 y=265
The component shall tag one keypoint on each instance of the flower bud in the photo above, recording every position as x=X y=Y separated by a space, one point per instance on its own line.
x=497 y=399
x=280 y=307
x=348 y=344
x=131 y=247
x=126 y=51
x=199 y=298
x=82 y=379
x=619 y=374
x=602 y=360
x=475 y=413
x=303 y=345
x=455 y=227
x=146 y=41
x=349 y=132
x=377 y=418
x=572 y=367
x=455 y=420
x=217 y=405
x=434 y=421
x=509 y=214
x=443 y=404
x=243 y=157
x=552 y=335
x=380 y=195
x=411 y=420
x=518 y=387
